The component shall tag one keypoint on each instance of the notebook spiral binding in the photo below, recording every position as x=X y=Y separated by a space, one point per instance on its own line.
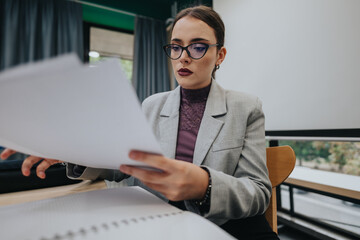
x=108 y=226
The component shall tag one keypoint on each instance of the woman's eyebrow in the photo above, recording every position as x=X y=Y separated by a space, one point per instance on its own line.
x=192 y=40
x=199 y=40
x=176 y=40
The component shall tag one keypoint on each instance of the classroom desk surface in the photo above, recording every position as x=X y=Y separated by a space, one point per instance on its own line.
x=44 y=193
x=336 y=183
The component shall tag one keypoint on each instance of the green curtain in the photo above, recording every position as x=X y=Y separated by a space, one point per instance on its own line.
x=32 y=30
x=150 y=69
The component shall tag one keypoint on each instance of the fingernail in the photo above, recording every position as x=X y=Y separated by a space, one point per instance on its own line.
x=26 y=173
x=133 y=155
x=41 y=175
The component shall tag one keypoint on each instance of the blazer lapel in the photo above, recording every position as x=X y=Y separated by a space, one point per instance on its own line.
x=210 y=126
x=169 y=122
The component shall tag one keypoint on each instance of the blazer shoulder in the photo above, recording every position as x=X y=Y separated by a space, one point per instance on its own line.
x=155 y=102
x=244 y=100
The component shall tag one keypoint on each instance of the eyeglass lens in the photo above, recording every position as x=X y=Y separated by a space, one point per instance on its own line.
x=196 y=50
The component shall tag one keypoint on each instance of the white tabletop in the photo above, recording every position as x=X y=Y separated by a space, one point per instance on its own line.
x=337 y=183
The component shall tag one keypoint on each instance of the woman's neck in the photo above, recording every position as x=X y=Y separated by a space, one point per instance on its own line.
x=195 y=95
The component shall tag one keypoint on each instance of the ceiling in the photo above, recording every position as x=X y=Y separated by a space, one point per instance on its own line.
x=158 y=9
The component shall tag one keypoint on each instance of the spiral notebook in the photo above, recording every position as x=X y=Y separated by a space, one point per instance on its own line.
x=117 y=213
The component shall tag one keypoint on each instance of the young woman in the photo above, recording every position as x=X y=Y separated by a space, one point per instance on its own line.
x=213 y=139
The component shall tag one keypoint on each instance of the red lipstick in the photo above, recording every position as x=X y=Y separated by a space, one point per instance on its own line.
x=184 y=72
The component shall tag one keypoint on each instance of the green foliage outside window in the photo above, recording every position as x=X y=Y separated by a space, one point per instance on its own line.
x=126 y=64
x=343 y=157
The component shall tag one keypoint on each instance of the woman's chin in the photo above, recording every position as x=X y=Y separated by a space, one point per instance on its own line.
x=190 y=83
x=186 y=84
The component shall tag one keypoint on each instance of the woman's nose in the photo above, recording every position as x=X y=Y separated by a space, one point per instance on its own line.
x=184 y=57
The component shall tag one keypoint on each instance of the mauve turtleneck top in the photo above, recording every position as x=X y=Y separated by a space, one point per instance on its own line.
x=192 y=107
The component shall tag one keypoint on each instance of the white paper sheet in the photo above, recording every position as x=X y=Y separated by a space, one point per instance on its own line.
x=64 y=110
x=118 y=213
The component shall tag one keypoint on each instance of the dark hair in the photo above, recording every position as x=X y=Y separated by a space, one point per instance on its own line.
x=208 y=16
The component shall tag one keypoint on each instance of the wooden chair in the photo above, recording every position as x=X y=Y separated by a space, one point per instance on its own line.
x=280 y=163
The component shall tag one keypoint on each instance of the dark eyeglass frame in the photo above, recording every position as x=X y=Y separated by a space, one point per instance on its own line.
x=207 y=46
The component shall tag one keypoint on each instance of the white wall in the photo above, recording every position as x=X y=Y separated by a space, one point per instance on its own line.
x=301 y=57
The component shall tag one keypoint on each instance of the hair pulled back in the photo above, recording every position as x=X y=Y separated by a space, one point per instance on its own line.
x=208 y=16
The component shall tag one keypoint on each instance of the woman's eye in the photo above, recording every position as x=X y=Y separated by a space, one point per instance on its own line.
x=175 y=48
x=199 y=47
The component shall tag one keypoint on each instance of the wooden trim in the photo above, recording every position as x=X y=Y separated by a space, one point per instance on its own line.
x=324 y=188
x=271 y=212
x=44 y=193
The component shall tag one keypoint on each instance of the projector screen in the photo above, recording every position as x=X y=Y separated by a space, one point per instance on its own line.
x=300 y=57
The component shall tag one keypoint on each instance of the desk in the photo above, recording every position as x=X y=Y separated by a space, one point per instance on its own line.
x=330 y=182
x=329 y=219
x=44 y=193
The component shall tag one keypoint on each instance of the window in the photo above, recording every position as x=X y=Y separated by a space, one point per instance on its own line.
x=341 y=157
x=336 y=160
x=323 y=209
x=106 y=44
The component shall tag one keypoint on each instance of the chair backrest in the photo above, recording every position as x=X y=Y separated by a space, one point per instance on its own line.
x=280 y=162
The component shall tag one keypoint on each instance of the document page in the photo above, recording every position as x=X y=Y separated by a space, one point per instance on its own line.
x=62 y=109
x=117 y=213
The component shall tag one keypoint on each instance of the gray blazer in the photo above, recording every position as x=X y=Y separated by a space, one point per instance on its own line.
x=230 y=144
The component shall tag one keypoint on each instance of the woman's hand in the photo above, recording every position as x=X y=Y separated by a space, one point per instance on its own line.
x=30 y=161
x=178 y=180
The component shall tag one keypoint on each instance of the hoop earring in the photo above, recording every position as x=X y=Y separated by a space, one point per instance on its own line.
x=217 y=67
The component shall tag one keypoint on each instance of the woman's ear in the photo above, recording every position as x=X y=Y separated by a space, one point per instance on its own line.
x=221 y=55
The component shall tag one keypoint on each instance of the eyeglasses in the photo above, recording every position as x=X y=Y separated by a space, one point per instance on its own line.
x=194 y=50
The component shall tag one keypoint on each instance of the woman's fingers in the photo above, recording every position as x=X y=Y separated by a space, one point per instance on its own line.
x=153 y=160
x=28 y=163
x=178 y=180
x=161 y=188
x=7 y=153
x=40 y=169
x=43 y=166
x=143 y=175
